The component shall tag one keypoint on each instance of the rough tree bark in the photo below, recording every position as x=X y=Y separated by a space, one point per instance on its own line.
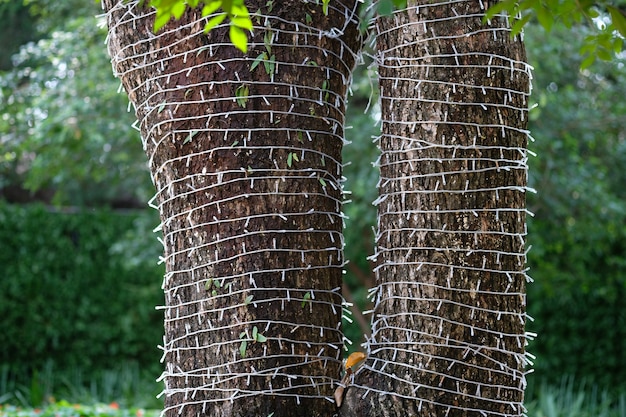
x=448 y=328
x=247 y=166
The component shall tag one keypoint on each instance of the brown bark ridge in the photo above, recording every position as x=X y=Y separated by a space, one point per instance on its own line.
x=245 y=154
x=448 y=336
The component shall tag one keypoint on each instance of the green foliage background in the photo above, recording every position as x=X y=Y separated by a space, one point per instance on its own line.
x=65 y=129
x=578 y=233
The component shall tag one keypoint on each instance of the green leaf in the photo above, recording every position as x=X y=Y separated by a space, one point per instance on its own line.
x=593 y=13
x=604 y=54
x=509 y=6
x=305 y=298
x=267 y=40
x=239 y=9
x=545 y=18
x=589 y=59
x=270 y=65
x=518 y=25
x=238 y=38
x=178 y=9
x=292 y=156
x=618 y=45
x=385 y=7
x=214 y=21
x=190 y=136
x=242 y=348
x=243 y=22
x=161 y=20
x=211 y=8
x=618 y=19
x=256 y=336
x=248 y=299
x=241 y=95
x=258 y=60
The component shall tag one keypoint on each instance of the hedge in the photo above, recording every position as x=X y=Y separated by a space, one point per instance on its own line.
x=78 y=288
x=578 y=300
x=581 y=332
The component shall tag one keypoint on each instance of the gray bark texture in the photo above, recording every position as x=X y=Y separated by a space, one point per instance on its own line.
x=247 y=166
x=448 y=333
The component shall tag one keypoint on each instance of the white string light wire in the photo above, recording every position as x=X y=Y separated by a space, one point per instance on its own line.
x=203 y=302
x=435 y=267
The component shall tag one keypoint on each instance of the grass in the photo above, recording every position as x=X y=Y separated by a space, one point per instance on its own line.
x=571 y=399
x=127 y=392
x=126 y=386
x=66 y=409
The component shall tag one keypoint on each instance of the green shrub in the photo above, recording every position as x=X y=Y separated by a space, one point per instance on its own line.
x=78 y=290
x=581 y=333
x=577 y=302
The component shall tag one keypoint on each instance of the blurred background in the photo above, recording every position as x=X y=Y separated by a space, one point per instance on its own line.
x=79 y=277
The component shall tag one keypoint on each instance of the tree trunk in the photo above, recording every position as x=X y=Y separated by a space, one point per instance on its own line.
x=448 y=334
x=246 y=160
